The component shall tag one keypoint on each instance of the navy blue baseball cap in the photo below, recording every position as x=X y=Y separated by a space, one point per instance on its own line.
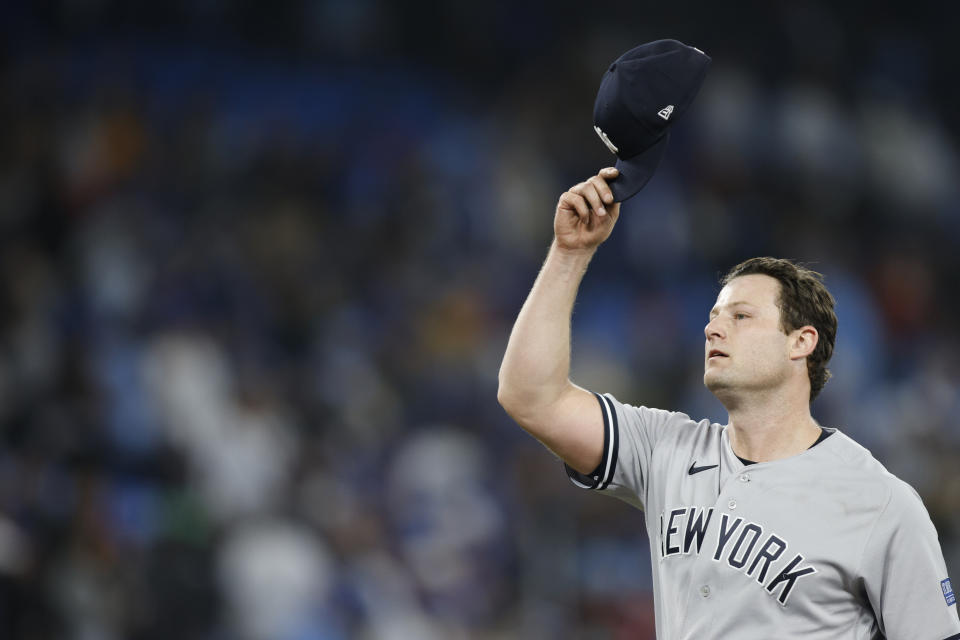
x=641 y=95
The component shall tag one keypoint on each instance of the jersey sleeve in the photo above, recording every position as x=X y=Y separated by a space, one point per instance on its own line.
x=629 y=437
x=905 y=574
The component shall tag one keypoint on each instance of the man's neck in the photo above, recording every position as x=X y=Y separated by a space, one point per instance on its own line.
x=774 y=429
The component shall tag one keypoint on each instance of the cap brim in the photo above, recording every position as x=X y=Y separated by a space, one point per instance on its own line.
x=637 y=171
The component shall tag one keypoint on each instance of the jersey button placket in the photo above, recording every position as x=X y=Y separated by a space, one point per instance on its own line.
x=705 y=591
x=744 y=479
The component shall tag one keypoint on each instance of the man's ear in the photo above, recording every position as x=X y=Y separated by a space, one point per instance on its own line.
x=803 y=341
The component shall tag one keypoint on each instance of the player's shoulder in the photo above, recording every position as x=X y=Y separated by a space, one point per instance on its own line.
x=865 y=474
x=668 y=424
x=653 y=413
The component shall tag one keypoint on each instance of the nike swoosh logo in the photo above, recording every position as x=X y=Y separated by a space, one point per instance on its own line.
x=695 y=469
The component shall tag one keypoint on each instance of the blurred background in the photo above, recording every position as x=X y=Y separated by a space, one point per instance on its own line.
x=259 y=262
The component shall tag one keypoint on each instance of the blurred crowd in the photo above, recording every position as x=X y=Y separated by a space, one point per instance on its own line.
x=258 y=268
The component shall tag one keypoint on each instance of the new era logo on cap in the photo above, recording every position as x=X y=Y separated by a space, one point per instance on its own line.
x=642 y=94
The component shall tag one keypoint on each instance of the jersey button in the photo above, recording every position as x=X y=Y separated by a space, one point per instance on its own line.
x=732 y=504
x=745 y=478
x=705 y=591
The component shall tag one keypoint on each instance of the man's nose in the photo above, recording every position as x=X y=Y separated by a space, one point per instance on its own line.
x=713 y=329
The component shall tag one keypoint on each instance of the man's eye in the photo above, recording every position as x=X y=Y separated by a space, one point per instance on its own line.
x=739 y=316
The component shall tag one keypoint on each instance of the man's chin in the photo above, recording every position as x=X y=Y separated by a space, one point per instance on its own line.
x=722 y=391
x=715 y=383
x=712 y=381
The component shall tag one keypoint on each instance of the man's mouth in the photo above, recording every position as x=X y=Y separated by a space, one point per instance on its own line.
x=716 y=353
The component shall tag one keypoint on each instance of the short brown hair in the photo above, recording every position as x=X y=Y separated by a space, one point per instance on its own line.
x=803 y=300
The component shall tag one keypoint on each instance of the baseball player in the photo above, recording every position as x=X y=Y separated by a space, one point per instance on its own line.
x=768 y=527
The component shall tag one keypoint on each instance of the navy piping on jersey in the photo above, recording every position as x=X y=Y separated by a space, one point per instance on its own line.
x=955 y=636
x=601 y=477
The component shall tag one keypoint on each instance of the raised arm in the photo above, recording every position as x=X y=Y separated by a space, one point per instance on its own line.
x=535 y=387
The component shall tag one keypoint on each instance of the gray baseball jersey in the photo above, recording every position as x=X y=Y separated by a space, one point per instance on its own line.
x=824 y=545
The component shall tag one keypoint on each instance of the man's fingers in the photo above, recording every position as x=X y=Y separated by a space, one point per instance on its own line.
x=609 y=173
x=602 y=188
x=589 y=191
x=590 y=196
x=576 y=202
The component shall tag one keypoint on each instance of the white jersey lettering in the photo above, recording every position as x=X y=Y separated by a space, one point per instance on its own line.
x=789 y=578
x=766 y=557
x=672 y=529
x=696 y=528
x=747 y=530
x=744 y=536
x=725 y=534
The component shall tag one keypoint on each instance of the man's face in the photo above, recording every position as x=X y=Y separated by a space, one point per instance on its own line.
x=745 y=348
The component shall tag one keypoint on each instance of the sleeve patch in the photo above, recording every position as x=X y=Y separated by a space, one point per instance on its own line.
x=947 y=589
